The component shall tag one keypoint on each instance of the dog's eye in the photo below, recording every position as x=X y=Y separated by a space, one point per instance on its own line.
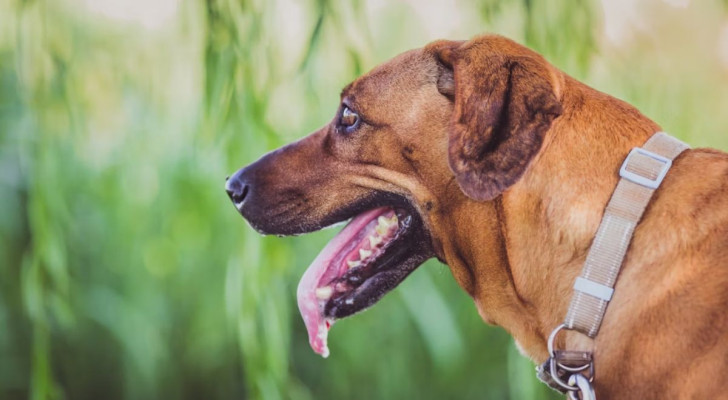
x=349 y=120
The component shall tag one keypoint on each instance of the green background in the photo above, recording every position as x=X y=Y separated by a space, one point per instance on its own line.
x=125 y=272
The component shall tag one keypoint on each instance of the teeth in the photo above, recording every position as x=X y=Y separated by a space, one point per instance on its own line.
x=374 y=240
x=324 y=293
x=354 y=263
x=384 y=223
x=364 y=254
x=381 y=229
x=382 y=220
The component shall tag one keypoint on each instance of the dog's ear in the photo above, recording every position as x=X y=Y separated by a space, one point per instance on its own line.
x=503 y=105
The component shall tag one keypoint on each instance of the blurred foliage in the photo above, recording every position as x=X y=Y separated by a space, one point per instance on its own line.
x=126 y=274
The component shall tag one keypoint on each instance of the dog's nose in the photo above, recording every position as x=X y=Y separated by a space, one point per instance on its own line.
x=237 y=189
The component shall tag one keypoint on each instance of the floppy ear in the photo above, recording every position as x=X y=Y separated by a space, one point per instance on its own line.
x=504 y=104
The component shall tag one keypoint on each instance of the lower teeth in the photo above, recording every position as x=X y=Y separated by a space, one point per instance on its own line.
x=324 y=293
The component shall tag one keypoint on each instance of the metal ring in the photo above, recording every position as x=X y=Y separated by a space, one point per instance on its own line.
x=553 y=364
x=555 y=376
x=573 y=369
x=552 y=337
x=584 y=388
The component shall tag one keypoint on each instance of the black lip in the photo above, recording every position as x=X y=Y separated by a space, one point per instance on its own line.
x=295 y=220
x=401 y=257
x=375 y=200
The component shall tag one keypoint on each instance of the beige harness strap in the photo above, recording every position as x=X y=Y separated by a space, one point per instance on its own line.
x=641 y=174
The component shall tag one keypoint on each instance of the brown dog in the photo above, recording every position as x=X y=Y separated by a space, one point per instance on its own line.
x=485 y=156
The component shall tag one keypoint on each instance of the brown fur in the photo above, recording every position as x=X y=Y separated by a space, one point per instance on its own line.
x=511 y=163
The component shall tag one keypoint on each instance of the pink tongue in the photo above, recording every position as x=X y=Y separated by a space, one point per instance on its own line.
x=311 y=308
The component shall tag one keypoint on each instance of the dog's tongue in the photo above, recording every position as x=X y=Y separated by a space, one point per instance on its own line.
x=311 y=308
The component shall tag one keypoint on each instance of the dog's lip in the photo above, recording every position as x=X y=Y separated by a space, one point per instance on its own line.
x=405 y=249
x=379 y=259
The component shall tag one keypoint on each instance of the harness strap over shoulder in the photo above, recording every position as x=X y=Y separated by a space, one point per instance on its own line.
x=641 y=174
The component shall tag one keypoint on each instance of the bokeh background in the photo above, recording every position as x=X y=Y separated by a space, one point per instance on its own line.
x=125 y=272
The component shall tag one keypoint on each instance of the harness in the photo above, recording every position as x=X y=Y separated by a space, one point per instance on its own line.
x=642 y=172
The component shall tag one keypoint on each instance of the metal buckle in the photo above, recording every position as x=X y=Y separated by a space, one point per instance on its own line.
x=574 y=374
x=642 y=180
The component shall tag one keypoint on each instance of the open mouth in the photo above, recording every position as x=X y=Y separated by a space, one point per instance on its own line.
x=368 y=258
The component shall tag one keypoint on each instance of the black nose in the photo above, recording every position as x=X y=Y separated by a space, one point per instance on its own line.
x=237 y=189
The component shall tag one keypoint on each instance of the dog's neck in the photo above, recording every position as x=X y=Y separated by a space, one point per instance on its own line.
x=520 y=272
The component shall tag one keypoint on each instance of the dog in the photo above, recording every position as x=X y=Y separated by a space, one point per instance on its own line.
x=483 y=155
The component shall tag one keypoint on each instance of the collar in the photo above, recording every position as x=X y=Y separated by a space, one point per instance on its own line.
x=640 y=176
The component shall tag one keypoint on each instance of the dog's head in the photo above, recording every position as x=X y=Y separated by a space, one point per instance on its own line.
x=474 y=113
